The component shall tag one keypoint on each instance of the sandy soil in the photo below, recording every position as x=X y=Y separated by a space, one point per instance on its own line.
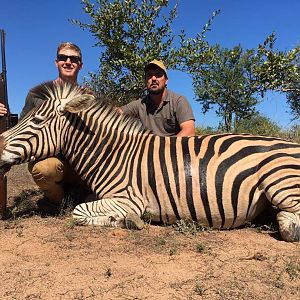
x=46 y=256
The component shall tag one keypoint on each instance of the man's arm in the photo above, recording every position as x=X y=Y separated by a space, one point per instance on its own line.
x=185 y=117
x=187 y=128
x=131 y=108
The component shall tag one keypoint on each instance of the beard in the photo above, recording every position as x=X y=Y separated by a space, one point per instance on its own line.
x=156 y=91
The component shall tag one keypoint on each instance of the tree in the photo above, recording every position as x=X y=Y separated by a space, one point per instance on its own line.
x=205 y=130
x=258 y=124
x=234 y=81
x=280 y=71
x=128 y=35
x=228 y=83
x=131 y=33
x=291 y=134
x=293 y=95
x=293 y=99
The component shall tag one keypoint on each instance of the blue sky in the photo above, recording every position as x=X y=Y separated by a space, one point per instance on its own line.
x=34 y=28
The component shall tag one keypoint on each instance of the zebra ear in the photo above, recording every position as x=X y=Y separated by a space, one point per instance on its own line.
x=77 y=104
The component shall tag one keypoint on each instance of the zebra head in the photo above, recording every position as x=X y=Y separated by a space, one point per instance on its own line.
x=41 y=133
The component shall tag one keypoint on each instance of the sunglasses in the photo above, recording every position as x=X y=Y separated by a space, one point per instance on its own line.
x=73 y=58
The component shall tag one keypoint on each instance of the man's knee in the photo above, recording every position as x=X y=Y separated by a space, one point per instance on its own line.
x=50 y=170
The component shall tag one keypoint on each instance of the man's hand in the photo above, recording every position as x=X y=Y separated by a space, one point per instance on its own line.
x=3 y=110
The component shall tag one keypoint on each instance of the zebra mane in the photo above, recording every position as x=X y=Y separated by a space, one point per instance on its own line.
x=52 y=91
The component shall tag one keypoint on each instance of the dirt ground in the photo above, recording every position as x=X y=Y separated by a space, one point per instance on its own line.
x=44 y=256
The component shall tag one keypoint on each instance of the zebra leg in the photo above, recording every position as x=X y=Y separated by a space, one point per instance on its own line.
x=283 y=192
x=107 y=212
x=289 y=226
x=133 y=221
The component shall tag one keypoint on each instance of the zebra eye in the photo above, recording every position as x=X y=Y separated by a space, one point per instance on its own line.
x=37 y=119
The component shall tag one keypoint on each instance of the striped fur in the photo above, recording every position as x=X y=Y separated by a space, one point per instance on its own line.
x=220 y=181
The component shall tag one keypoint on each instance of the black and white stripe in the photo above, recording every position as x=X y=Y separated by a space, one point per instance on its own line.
x=220 y=181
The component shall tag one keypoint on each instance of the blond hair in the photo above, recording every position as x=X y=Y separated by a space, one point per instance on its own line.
x=69 y=45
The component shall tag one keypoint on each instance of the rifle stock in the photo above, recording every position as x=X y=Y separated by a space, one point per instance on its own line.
x=6 y=122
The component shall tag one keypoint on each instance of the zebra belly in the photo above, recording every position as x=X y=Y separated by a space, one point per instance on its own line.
x=167 y=209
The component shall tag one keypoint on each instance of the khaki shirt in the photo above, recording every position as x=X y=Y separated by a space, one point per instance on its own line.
x=164 y=120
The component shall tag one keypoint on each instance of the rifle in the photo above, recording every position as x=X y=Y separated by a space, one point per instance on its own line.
x=6 y=122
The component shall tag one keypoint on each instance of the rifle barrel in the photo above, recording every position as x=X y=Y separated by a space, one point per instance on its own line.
x=4 y=124
x=4 y=80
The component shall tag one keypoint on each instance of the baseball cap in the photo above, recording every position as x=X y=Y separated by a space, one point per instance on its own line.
x=157 y=63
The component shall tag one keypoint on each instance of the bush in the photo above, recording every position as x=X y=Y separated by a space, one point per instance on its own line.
x=259 y=124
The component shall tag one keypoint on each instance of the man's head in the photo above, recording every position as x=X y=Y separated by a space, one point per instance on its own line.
x=156 y=77
x=68 y=61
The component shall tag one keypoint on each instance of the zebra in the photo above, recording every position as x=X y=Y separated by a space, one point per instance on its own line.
x=220 y=181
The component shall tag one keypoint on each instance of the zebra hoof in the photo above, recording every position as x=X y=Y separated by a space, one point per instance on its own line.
x=133 y=221
x=289 y=226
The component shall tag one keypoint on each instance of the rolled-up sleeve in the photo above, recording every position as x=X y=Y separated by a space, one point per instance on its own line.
x=132 y=108
x=184 y=110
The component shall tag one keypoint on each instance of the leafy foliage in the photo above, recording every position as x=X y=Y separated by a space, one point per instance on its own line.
x=277 y=70
x=130 y=33
x=293 y=95
x=293 y=99
x=228 y=83
x=291 y=134
x=233 y=81
x=258 y=124
x=205 y=130
x=280 y=71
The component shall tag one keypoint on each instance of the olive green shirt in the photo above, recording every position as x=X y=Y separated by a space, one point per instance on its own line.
x=164 y=120
x=31 y=102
